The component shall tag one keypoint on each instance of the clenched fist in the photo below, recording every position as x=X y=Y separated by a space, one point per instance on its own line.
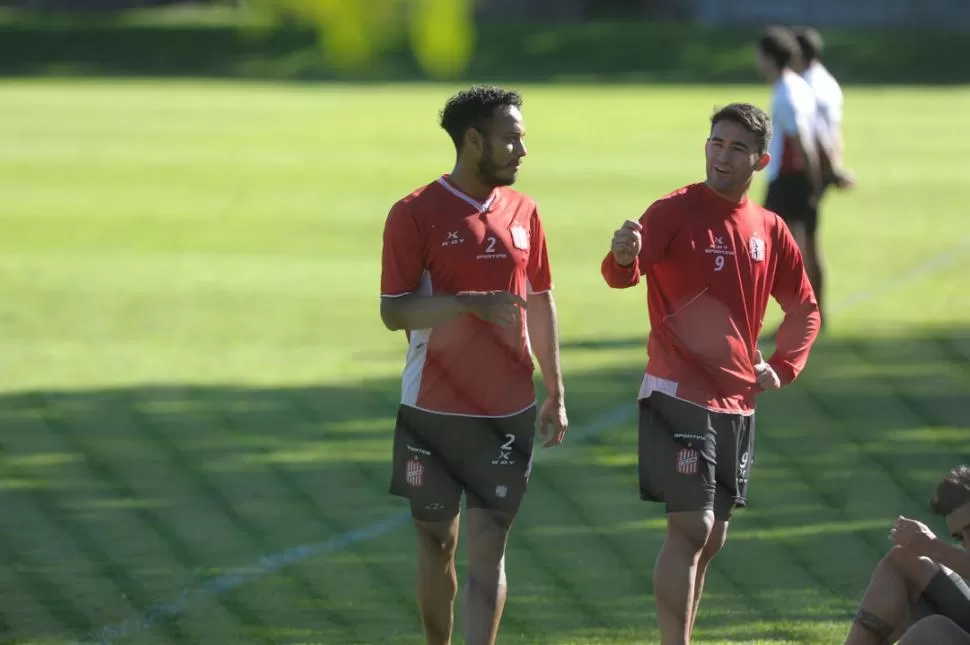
x=626 y=243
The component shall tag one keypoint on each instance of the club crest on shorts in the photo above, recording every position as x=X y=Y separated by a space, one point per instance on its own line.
x=756 y=246
x=520 y=238
x=414 y=473
x=688 y=461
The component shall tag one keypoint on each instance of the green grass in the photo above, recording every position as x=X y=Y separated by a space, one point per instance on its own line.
x=194 y=372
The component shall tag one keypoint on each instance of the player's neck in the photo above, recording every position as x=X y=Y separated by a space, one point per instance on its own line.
x=776 y=75
x=466 y=180
x=734 y=196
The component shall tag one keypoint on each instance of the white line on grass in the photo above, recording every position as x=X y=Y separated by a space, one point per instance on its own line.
x=609 y=419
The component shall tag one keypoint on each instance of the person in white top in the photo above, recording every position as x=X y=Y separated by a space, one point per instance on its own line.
x=828 y=92
x=829 y=140
x=795 y=172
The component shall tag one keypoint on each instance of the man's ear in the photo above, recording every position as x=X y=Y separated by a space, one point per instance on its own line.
x=762 y=162
x=474 y=140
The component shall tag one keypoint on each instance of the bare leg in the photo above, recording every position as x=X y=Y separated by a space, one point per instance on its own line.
x=437 y=580
x=935 y=630
x=896 y=583
x=715 y=542
x=813 y=267
x=675 y=573
x=485 y=588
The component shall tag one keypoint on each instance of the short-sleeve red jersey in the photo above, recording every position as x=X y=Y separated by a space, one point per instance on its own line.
x=711 y=266
x=438 y=240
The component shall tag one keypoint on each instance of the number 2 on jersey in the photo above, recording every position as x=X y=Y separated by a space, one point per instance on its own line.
x=718 y=262
x=491 y=245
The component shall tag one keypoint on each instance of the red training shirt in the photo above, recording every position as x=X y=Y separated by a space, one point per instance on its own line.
x=438 y=240
x=711 y=265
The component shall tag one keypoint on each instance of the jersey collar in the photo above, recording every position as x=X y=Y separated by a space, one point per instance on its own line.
x=481 y=207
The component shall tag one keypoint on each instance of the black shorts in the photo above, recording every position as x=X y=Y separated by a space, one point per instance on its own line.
x=948 y=595
x=792 y=198
x=693 y=459
x=439 y=456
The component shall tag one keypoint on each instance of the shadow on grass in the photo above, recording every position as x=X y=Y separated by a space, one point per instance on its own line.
x=116 y=500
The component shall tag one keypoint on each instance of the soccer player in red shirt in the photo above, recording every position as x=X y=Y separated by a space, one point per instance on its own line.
x=711 y=259
x=465 y=272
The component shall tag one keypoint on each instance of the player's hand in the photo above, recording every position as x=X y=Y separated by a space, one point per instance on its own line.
x=498 y=307
x=911 y=534
x=553 y=421
x=844 y=180
x=765 y=374
x=626 y=243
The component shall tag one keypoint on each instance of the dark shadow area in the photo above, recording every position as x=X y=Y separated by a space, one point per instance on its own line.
x=629 y=342
x=599 y=52
x=117 y=500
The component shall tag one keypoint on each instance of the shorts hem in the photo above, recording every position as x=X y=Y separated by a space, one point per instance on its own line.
x=471 y=416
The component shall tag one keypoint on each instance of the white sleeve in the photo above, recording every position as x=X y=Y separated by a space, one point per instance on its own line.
x=785 y=120
x=835 y=108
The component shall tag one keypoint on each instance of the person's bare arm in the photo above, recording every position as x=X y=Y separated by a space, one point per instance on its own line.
x=414 y=311
x=544 y=338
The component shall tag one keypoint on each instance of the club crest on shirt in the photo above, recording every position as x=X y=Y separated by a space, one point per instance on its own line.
x=520 y=238
x=756 y=247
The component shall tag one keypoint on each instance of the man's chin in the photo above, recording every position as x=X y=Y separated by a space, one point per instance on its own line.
x=504 y=179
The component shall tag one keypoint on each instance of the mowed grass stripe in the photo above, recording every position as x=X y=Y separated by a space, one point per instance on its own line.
x=125 y=536
x=61 y=546
x=96 y=552
x=62 y=613
x=22 y=612
x=108 y=433
x=153 y=429
x=287 y=493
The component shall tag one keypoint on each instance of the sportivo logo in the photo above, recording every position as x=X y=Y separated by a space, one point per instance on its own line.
x=718 y=246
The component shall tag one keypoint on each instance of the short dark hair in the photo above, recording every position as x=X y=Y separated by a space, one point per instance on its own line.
x=473 y=108
x=753 y=118
x=779 y=44
x=952 y=492
x=810 y=42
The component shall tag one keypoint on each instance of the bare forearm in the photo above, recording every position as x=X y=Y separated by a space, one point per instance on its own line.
x=950 y=556
x=415 y=311
x=839 y=147
x=809 y=152
x=544 y=338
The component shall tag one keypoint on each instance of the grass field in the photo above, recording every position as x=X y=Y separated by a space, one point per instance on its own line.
x=195 y=374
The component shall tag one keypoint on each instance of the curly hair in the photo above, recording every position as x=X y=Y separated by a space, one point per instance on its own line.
x=952 y=492
x=473 y=108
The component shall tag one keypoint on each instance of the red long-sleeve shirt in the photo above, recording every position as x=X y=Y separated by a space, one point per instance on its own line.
x=711 y=265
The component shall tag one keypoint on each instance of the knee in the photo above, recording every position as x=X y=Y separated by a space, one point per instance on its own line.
x=690 y=531
x=487 y=537
x=935 y=629
x=715 y=541
x=917 y=571
x=438 y=543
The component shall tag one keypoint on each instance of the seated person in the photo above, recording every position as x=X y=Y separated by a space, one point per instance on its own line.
x=918 y=593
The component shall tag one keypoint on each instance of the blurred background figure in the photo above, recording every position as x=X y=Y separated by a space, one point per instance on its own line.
x=829 y=139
